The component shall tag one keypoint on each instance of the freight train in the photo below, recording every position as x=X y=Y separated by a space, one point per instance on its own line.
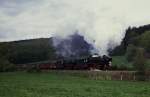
x=93 y=62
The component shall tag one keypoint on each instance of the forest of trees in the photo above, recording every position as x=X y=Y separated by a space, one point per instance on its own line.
x=139 y=37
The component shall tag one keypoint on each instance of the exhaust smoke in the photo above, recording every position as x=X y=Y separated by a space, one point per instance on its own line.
x=74 y=46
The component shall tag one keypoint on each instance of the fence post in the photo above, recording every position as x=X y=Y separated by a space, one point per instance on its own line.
x=134 y=76
x=121 y=76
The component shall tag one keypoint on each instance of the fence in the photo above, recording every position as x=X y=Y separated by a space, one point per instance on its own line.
x=105 y=75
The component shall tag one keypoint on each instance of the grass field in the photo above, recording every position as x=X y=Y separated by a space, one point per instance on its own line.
x=19 y=84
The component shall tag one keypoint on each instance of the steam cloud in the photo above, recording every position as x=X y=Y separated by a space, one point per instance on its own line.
x=74 y=46
x=99 y=21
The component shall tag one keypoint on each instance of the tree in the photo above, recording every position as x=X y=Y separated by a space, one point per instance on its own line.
x=140 y=64
x=130 y=53
x=144 y=40
x=5 y=65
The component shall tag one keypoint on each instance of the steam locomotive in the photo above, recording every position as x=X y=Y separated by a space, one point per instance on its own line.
x=93 y=62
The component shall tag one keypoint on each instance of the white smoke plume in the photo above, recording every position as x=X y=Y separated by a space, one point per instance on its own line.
x=99 y=21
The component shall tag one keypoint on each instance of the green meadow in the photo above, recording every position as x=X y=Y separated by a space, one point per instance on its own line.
x=21 y=84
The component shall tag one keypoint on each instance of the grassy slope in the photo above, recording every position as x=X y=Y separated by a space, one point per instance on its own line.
x=58 y=85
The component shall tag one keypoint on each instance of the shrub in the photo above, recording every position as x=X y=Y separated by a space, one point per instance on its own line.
x=6 y=66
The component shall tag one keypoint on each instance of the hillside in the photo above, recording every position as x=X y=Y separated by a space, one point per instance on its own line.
x=124 y=55
x=35 y=50
x=26 y=51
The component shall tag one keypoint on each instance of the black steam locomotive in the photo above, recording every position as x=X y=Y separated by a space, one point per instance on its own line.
x=88 y=63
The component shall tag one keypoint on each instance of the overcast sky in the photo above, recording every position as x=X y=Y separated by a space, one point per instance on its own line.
x=99 y=20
